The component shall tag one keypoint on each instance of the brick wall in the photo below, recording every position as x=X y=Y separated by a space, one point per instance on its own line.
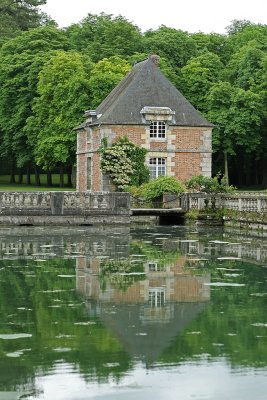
x=187 y=149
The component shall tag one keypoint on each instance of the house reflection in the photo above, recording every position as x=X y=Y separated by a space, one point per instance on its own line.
x=145 y=310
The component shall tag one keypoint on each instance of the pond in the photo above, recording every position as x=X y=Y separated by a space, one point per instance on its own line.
x=117 y=313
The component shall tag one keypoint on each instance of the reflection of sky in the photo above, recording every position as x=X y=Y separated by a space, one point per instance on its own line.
x=198 y=381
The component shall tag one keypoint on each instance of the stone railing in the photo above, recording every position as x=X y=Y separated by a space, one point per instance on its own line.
x=79 y=205
x=239 y=202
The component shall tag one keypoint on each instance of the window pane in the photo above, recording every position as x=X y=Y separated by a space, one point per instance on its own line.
x=157 y=167
x=157 y=129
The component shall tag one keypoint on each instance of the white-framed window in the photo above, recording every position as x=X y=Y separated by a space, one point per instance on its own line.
x=157 y=129
x=156 y=296
x=157 y=167
x=155 y=267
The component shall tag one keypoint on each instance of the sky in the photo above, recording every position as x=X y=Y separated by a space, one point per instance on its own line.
x=189 y=15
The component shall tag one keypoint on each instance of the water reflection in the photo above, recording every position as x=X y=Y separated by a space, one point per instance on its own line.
x=146 y=300
x=109 y=310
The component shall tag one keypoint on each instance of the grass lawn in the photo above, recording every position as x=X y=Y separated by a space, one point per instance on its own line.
x=15 y=187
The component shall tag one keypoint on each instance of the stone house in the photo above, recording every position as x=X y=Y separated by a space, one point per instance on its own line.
x=147 y=108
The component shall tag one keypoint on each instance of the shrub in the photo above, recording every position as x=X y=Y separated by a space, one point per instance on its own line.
x=205 y=184
x=164 y=184
x=124 y=162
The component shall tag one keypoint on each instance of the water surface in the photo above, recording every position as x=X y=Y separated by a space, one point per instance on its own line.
x=162 y=312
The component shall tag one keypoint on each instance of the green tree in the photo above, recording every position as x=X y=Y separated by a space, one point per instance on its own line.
x=237 y=115
x=213 y=43
x=245 y=67
x=22 y=59
x=244 y=33
x=102 y=36
x=63 y=94
x=17 y=16
x=104 y=77
x=198 y=76
x=174 y=45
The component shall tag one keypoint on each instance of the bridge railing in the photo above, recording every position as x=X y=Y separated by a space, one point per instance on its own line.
x=238 y=201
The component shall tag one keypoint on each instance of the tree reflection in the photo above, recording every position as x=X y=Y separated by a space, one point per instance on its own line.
x=101 y=302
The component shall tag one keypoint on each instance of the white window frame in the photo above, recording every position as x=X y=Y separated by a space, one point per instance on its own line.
x=157 y=167
x=157 y=297
x=157 y=130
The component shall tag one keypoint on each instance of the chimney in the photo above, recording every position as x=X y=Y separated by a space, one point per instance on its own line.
x=155 y=59
x=90 y=115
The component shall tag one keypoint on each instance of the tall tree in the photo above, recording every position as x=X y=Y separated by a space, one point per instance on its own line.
x=245 y=67
x=19 y=15
x=244 y=34
x=21 y=61
x=102 y=36
x=198 y=76
x=105 y=76
x=174 y=45
x=213 y=43
x=238 y=117
x=63 y=94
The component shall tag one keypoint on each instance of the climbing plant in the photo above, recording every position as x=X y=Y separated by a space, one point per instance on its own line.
x=124 y=162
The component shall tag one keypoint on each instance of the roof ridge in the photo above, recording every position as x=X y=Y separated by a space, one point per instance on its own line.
x=119 y=88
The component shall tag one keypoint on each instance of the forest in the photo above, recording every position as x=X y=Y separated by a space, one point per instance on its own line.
x=50 y=76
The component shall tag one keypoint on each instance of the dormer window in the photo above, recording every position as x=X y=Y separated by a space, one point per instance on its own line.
x=157 y=129
x=157 y=120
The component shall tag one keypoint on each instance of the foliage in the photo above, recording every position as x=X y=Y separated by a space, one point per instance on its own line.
x=163 y=184
x=174 y=45
x=224 y=76
x=205 y=184
x=63 y=93
x=207 y=214
x=105 y=75
x=245 y=66
x=236 y=113
x=22 y=58
x=124 y=162
x=213 y=43
x=120 y=273
x=198 y=76
x=18 y=16
x=103 y=36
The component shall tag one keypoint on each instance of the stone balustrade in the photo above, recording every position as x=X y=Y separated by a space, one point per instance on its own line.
x=32 y=208
x=239 y=202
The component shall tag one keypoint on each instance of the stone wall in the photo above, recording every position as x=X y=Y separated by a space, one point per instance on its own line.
x=57 y=208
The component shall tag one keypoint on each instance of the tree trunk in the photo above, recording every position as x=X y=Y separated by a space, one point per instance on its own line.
x=70 y=176
x=61 y=175
x=28 y=174
x=264 y=173
x=226 y=173
x=20 y=181
x=12 y=172
x=49 y=178
x=37 y=175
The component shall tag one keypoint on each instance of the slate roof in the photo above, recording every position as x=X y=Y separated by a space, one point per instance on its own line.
x=143 y=86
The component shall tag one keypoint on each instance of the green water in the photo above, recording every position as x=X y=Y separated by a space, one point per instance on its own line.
x=156 y=313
